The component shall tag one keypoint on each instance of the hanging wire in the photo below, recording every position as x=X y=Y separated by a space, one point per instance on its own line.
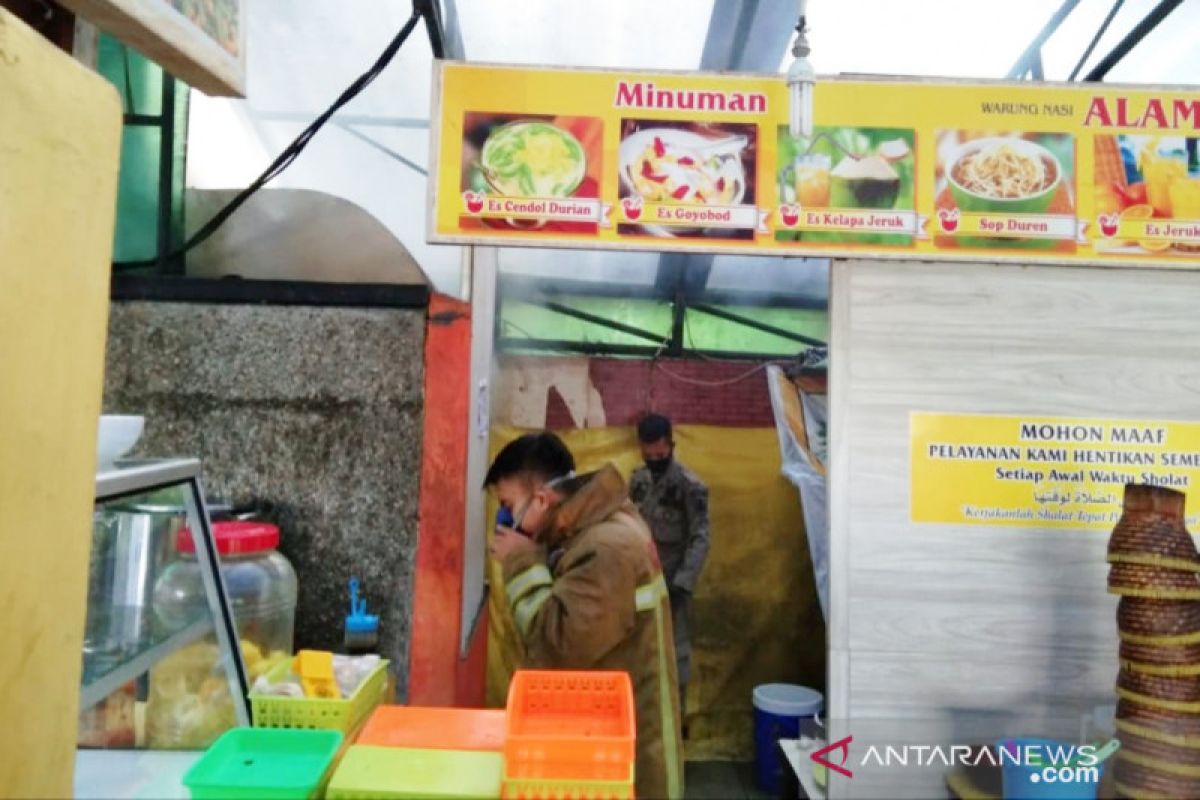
x=713 y=384
x=291 y=153
x=655 y=364
x=687 y=332
x=510 y=324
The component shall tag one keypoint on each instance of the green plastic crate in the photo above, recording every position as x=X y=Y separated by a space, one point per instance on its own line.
x=264 y=764
x=376 y=773
x=341 y=714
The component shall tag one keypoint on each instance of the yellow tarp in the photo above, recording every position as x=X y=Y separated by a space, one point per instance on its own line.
x=755 y=616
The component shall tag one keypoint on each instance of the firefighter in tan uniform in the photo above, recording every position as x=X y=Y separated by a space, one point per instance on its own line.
x=587 y=592
x=674 y=503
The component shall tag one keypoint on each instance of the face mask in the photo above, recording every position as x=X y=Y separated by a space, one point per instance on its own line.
x=515 y=520
x=520 y=517
x=658 y=466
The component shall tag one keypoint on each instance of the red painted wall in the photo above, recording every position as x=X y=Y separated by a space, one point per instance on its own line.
x=470 y=690
x=437 y=675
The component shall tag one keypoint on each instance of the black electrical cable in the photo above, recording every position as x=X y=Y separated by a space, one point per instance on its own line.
x=289 y=155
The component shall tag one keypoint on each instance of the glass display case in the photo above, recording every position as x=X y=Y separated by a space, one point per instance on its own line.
x=155 y=678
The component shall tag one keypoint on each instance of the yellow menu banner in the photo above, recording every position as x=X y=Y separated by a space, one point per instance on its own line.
x=1046 y=472
x=1025 y=172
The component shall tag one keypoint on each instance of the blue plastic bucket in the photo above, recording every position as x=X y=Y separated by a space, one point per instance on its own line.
x=778 y=711
x=1070 y=780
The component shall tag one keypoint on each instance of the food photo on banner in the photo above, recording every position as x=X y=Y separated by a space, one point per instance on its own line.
x=610 y=160
x=687 y=179
x=524 y=172
x=847 y=185
x=1147 y=195
x=1005 y=189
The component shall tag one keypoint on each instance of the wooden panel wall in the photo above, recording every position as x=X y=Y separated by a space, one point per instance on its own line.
x=971 y=632
x=60 y=129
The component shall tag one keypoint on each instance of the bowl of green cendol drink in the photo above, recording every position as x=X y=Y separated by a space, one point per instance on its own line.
x=532 y=159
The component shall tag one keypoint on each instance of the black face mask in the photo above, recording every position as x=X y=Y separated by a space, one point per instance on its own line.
x=658 y=466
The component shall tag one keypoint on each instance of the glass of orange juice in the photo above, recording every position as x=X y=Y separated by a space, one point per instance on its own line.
x=812 y=181
x=1160 y=172
x=1185 y=198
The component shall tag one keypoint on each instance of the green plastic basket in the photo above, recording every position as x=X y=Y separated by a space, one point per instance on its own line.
x=368 y=772
x=264 y=764
x=341 y=715
x=552 y=789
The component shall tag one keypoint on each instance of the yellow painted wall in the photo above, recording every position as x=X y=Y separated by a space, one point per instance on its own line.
x=60 y=131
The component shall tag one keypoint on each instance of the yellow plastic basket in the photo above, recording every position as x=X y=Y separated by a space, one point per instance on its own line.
x=383 y=773
x=342 y=715
x=552 y=789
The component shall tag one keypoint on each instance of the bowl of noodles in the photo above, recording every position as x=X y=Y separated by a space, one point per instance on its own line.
x=1005 y=174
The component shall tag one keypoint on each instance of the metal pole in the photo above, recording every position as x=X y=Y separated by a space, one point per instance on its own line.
x=166 y=181
x=466 y=272
x=568 y=311
x=1096 y=39
x=756 y=325
x=483 y=323
x=513 y=343
x=1139 y=32
x=678 y=315
x=516 y=286
x=1027 y=58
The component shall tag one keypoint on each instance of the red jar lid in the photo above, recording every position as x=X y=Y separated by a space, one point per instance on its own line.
x=235 y=537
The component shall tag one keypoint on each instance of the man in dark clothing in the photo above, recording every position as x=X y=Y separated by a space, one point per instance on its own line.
x=674 y=502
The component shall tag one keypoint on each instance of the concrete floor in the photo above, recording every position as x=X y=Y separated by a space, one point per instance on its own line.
x=721 y=780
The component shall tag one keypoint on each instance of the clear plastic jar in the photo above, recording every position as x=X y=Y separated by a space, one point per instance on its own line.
x=188 y=706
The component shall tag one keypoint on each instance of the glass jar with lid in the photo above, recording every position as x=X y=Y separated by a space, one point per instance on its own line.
x=262 y=589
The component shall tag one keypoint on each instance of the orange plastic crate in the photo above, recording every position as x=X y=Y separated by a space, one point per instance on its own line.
x=570 y=726
x=435 y=728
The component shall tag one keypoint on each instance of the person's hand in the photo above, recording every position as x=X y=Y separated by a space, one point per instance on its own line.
x=506 y=541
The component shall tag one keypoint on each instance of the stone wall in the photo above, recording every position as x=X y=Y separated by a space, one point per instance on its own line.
x=312 y=413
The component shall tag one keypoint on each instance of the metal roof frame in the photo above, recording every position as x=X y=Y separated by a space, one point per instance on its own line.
x=743 y=36
x=673 y=346
x=1030 y=63
x=509 y=344
x=1132 y=39
x=525 y=285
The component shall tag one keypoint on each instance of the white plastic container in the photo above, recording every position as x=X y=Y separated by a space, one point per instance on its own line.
x=188 y=708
